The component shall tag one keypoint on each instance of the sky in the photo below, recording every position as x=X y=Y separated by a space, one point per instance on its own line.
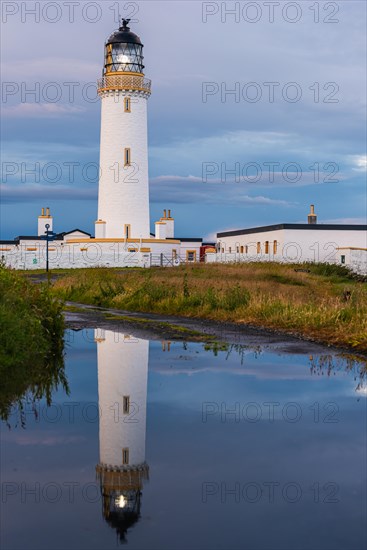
x=257 y=110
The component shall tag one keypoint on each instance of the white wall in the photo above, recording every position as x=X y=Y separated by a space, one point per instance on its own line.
x=42 y=221
x=293 y=245
x=123 y=196
x=122 y=371
x=72 y=255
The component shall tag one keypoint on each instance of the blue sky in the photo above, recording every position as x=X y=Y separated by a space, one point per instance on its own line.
x=314 y=122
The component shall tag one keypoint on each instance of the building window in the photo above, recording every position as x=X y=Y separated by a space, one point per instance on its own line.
x=127 y=156
x=238 y=249
x=275 y=247
x=127 y=231
x=125 y=455
x=258 y=248
x=230 y=249
x=127 y=105
x=342 y=259
x=246 y=249
x=241 y=249
x=126 y=404
x=190 y=255
x=174 y=254
x=266 y=247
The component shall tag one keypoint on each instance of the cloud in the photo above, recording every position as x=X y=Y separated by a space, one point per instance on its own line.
x=181 y=190
x=31 y=193
x=352 y=221
x=46 y=440
x=56 y=68
x=44 y=110
x=359 y=162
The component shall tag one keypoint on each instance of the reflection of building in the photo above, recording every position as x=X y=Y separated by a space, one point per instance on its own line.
x=122 y=394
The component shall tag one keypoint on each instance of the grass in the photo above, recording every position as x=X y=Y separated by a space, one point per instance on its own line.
x=31 y=341
x=323 y=302
x=171 y=330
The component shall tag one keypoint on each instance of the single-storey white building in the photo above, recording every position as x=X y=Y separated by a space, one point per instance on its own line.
x=344 y=244
x=77 y=248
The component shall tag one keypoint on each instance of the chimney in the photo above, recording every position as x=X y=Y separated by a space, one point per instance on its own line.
x=164 y=214
x=312 y=218
x=42 y=212
x=169 y=213
x=47 y=211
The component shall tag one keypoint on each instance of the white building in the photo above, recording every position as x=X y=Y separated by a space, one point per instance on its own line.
x=122 y=230
x=291 y=242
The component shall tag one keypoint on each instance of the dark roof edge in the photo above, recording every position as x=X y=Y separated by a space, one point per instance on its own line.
x=74 y=230
x=189 y=239
x=296 y=226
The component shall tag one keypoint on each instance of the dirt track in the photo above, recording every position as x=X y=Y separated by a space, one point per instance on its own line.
x=162 y=327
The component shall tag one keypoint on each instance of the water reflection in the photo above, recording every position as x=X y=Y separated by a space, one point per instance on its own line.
x=330 y=365
x=122 y=395
x=188 y=451
x=25 y=385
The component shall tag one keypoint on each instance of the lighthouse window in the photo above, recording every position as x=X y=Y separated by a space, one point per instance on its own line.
x=127 y=231
x=127 y=105
x=126 y=404
x=125 y=455
x=127 y=156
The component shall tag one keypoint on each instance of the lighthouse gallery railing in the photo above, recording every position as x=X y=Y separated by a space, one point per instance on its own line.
x=124 y=82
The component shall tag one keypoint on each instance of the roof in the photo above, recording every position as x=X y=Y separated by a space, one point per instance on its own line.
x=36 y=238
x=189 y=239
x=124 y=35
x=294 y=226
x=351 y=248
x=74 y=231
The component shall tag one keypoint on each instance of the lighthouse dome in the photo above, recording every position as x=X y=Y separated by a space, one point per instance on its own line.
x=124 y=34
x=123 y=52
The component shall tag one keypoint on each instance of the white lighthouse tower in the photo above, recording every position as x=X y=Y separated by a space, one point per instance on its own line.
x=123 y=195
x=122 y=396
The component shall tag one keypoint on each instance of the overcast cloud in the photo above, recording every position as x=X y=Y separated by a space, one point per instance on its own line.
x=198 y=133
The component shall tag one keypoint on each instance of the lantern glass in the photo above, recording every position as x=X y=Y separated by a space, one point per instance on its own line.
x=124 y=58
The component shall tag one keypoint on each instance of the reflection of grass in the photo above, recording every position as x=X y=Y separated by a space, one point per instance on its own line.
x=31 y=341
x=169 y=330
x=323 y=302
x=330 y=364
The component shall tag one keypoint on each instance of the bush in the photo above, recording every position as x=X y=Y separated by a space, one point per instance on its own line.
x=31 y=340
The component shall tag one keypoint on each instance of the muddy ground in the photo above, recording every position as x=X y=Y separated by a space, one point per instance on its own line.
x=163 y=327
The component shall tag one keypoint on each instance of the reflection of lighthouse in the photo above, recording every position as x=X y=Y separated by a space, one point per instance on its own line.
x=122 y=393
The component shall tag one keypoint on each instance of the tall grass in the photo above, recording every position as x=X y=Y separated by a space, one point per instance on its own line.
x=322 y=302
x=31 y=341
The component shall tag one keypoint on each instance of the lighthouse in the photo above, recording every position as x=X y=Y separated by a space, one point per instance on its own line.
x=122 y=396
x=123 y=194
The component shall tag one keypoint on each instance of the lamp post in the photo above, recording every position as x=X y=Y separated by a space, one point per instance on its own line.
x=49 y=236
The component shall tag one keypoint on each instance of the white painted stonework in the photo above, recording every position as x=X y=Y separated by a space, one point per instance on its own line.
x=123 y=195
x=294 y=245
x=122 y=371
